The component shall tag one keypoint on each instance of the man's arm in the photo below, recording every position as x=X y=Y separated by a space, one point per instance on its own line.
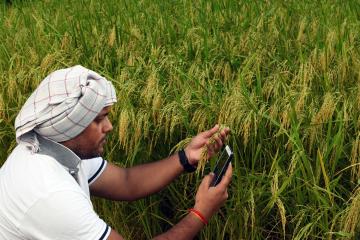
x=186 y=229
x=139 y=181
x=208 y=201
x=130 y=184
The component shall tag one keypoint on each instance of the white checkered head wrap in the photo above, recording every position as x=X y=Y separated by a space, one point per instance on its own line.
x=63 y=105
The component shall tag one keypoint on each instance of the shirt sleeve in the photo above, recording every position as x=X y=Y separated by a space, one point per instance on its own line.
x=64 y=215
x=93 y=168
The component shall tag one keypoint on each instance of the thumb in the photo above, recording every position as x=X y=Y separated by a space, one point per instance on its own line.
x=206 y=182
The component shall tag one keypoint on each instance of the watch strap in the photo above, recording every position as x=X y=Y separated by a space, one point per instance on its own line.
x=185 y=162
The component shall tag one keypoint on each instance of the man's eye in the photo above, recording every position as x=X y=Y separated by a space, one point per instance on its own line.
x=98 y=119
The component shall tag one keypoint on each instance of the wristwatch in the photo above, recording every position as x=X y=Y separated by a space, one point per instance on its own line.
x=185 y=162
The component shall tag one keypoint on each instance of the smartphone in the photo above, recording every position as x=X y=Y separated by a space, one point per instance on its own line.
x=225 y=157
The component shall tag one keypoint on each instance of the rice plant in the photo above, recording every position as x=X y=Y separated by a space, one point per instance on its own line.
x=282 y=75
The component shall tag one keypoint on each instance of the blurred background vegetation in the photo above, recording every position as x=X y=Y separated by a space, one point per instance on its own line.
x=283 y=75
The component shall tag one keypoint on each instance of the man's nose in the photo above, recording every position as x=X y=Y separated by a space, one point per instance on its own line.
x=107 y=126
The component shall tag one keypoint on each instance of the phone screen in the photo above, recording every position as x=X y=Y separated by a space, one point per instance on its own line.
x=222 y=164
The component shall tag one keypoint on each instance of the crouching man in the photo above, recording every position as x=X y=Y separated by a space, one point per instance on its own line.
x=46 y=182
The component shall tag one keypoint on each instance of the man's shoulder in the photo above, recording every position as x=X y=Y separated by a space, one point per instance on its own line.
x=32 y=174
x=22 y=155
x=28 y=179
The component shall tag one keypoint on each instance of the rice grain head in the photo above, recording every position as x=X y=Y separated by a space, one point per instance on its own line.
x=275 y=184
x=199 y=119
x=299 y=217
x=65 y=41
x=112 y=37
x=282 y=212
x=246 y=126
x=123 y=127
x=322 y=116
x=334 y=225
x=141 y=126
x=357 y=105
x=253 y=211
x=293 y=164
x=350 y=223
x=2 y=107
x=326 y=111
x=314 y=28
x=355 y=159
x=274 y=110
x=218 y=69
x=285 y=118
x=156 y=106
x=176 y=120
x=347 y=109
x=344 y=64
x=279 y=203
x=151 y=87
x=12 y=88
x=300 y=103
x=34 y=58
x=331 y=41
x=246 y=216
x=304 y=75
x=131 y=60
x=314 y=61
x=181 y=145
x=323 y=61
x=47 y=61
x=301 y=33
x=227 y=72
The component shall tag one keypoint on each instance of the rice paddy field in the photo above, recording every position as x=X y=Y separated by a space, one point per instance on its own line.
x=283 y=75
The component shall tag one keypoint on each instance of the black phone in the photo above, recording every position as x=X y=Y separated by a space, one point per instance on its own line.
x=222 y=163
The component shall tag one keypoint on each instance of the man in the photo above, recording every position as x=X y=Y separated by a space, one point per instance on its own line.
x=46 y=182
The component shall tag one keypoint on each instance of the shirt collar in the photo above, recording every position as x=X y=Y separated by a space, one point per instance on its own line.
x=62 y=154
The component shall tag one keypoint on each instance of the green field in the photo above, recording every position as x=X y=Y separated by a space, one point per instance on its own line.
x=283 y=75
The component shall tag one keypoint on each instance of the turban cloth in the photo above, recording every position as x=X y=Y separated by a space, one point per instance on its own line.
x=63 y=105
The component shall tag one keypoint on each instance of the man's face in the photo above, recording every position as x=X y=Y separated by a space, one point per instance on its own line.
x=90 y=143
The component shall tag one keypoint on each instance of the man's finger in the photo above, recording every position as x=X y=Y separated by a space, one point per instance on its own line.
x=218 y=143
x=210 y=132
x=224 y=133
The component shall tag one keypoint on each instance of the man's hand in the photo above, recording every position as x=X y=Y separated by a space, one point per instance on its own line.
x=194 y=149
x=209 y=199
